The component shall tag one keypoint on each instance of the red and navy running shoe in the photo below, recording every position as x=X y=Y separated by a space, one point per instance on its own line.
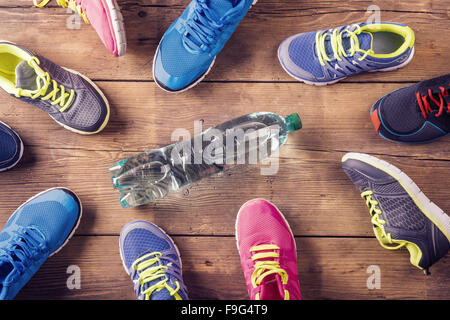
x=415 y=114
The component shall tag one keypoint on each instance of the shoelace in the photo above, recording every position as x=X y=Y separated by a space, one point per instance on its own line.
x=147 y=272
x=336 y=41
x=26 y=245
x=204 y=25
x=424 y=104
x=264 y=268
x=43 y=82
x=379 y=223
x=75 y=5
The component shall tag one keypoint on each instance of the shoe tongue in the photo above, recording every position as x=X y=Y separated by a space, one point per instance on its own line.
x=26 y=76
x=364 y=39
x=272 y=288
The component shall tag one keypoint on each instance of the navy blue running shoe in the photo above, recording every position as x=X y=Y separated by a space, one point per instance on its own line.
x=11 y=147
x=152 y=260
x=418 y=113
x=38 y=229
x=402 y=216
x=328 y=56
x=189 y=47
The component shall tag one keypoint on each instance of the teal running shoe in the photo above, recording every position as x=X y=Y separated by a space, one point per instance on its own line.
x=152 y=260
x=189 y=47
x=38 y=229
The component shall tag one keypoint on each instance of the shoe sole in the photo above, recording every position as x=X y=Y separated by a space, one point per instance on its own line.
x=21 y=150
x=428 y=208
x=196 y=81
x=321 y=84
x=116 y=19
x=79 y=216
x=281 y=214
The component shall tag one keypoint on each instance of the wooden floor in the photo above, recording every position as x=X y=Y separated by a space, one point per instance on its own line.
x=329 y=219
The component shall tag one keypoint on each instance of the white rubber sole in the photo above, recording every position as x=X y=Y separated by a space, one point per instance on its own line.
x=105 y=122
x=76 y=225
x=281 y=214
x=198 y=80
x=21 y=150
x=428 y=208
x=322 y=84
x=118 y=26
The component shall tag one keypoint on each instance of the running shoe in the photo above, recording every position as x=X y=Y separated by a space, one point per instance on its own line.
x=189 y=47
x=328 y=56
x=38 y=229
x=70 y=98
x=402 y=216
x=418 y=113
x=152 y=260
x=104 y=16
x=268 y=252
x=11 y=147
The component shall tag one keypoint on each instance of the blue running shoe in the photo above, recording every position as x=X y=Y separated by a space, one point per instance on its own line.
x=418 y=113
x=38 y=229
x=328 y=56
x=152 y=260
x=11 y=147
x=189 y=47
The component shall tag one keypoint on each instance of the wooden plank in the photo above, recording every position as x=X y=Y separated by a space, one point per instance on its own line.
x=143 y=118
x=246 y=57
x=328 y=269
x=335 y=118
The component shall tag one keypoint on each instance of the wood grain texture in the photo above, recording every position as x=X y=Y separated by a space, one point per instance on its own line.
x=210 y=262
x=330 y=220
x=310 y=186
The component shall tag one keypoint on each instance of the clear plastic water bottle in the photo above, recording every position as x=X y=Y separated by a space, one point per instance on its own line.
x=153 y=174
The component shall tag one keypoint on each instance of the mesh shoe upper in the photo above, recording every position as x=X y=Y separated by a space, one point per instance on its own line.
x=403 y=219
x=402 y=119
x=36 y=230
x=87 y=111
x=143 y=240
x=10 y=147
x=189 y=46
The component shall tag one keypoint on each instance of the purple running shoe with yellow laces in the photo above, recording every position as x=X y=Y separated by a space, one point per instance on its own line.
x=401 y=215
x=152 y=260
x=70 y=98
x=328 y=56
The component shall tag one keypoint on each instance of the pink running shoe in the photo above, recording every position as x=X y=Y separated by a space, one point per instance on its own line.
x=268 y=252
x=104 y=16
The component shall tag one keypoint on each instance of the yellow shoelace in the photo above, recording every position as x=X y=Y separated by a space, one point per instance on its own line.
x=337 y=44
x=383 y=237
x=150 y=273
x=43 y=81
x=65 y=4
x=264 y=268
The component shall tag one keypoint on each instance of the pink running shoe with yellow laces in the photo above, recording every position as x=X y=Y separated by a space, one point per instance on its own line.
x=268 y=252
x=104 y=16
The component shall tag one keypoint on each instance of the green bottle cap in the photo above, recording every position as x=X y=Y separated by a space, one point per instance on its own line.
x=293 y=122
